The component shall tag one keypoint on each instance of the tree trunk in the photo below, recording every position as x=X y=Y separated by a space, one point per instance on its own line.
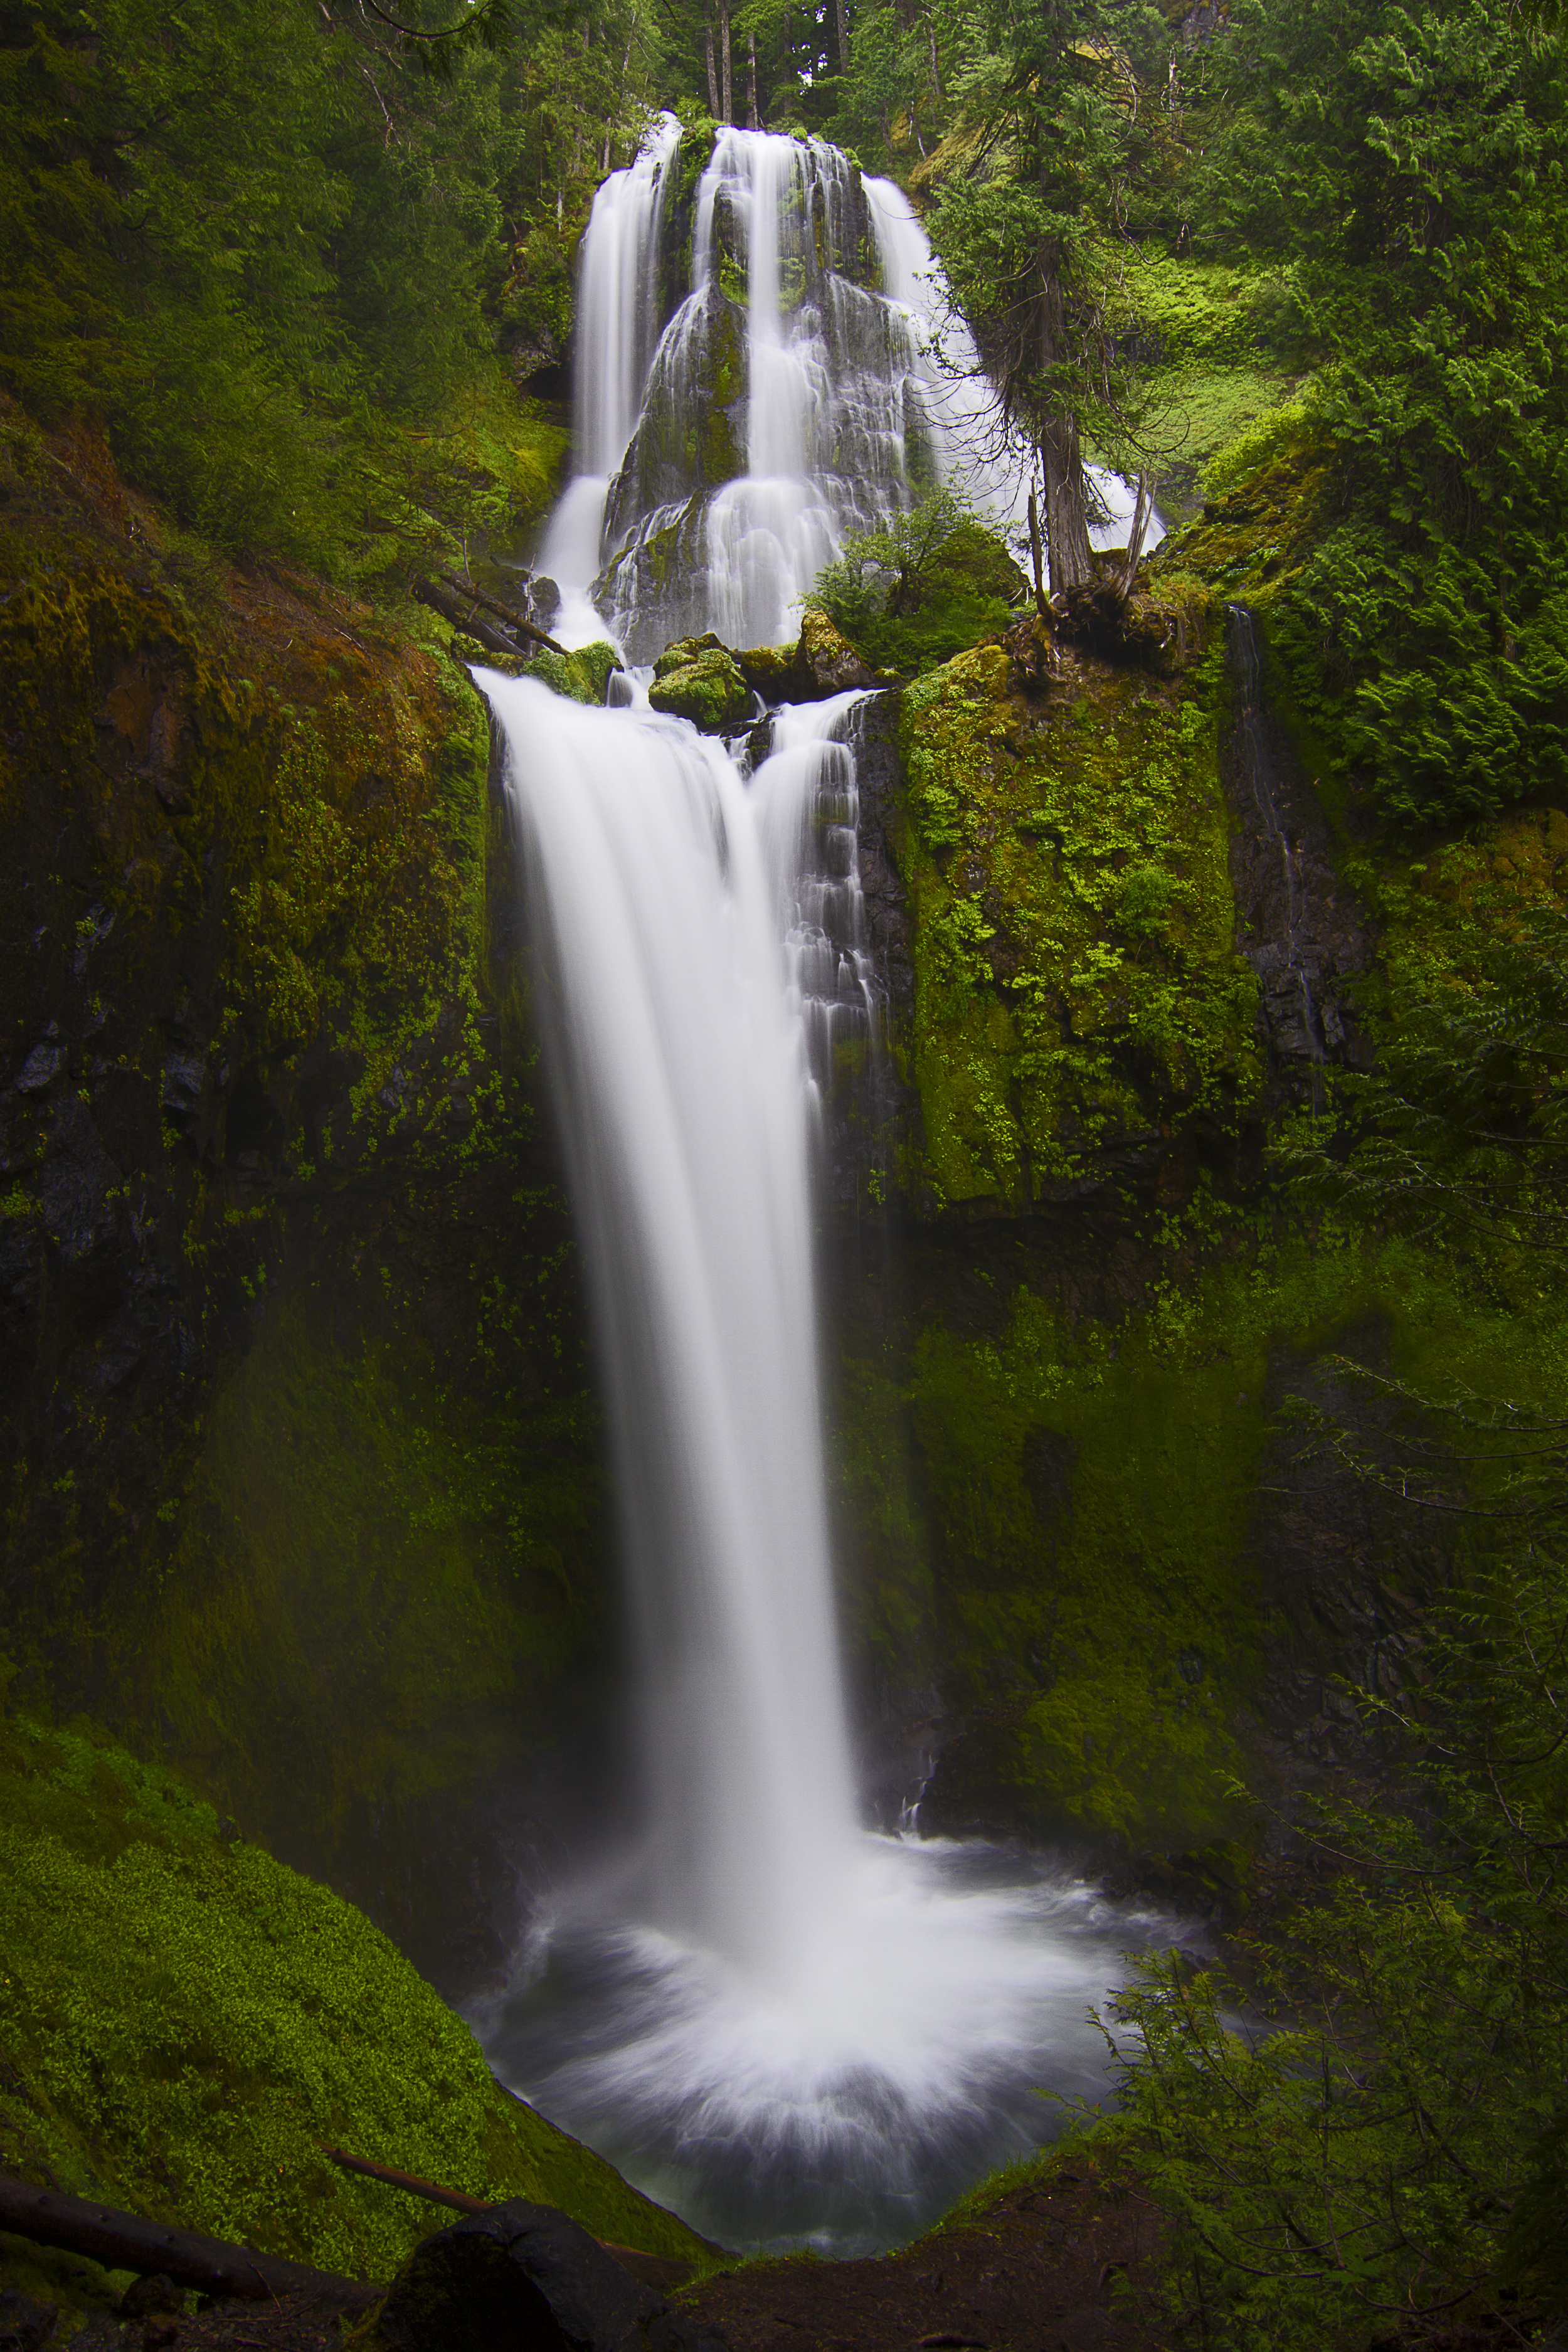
x=1142 y=512
x=752 y=117
x=841 y=21
x=1061 y=460
x=125 y=2242
x=726 y=71
x=1042 y=604
x=708 y=59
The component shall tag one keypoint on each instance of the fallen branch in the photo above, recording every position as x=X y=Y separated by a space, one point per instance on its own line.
x=659 y=2270
x=426 y=592
x=504 y=612
x=123 y=2241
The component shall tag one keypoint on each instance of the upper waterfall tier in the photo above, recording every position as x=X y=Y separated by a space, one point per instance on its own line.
x=784 y=398
x=767 y=359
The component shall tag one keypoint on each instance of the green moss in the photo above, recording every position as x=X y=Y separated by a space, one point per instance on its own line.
x=184 y=2018
x=699 y=680
x=371 y=1591
x=1077 y=985
x=583 y=675
x=1090 y=1592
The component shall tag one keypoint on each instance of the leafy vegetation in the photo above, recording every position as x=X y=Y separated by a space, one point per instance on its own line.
x=283 y=259
x=1393 y=2153
x=921 y=586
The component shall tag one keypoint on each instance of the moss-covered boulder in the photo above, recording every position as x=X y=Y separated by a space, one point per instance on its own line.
x=699 y=678
x=184 y=2019
x=583 y=675
x=824 y=661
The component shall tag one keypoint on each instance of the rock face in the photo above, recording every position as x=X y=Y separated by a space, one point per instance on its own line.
x=1300 y=927
x=265 y=1113
x=525 y=2276
x=824 y=661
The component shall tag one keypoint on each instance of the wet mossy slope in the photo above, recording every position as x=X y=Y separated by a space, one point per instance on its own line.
x=1102 y=1573
x=1077 y=983
x=303 y=1485
x=183 y=2020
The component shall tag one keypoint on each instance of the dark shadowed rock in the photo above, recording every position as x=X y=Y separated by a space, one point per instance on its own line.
x=25 y=2325
x=39 y=1070
x=525 y=2278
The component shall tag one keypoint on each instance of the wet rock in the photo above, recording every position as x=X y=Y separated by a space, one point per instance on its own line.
x=185 y=1076
x=544 y=601
x=698 y=678
x=526 y=2274
x=40 y=1069
x=25 y=2325
x=824 y=661
x=77 y=1180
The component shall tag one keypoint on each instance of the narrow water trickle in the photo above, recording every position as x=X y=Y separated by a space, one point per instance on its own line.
x=790 y=2027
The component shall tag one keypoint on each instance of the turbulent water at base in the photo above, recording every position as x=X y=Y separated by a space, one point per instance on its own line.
x=789 y=2027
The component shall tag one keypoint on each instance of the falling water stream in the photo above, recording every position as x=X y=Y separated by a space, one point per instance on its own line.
x=789 y=2027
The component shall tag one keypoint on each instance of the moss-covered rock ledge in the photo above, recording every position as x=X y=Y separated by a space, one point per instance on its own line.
x=182 y=2020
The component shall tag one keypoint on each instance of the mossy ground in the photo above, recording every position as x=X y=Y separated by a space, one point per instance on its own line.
x=1077 y=981
x=184 y=2018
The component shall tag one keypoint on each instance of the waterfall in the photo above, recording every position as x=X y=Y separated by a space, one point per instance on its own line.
x=678 y=1067
x=791 y=2027
x=766 y=362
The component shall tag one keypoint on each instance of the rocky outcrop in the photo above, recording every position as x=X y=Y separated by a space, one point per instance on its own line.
x=524 y=2274
x=700 y=680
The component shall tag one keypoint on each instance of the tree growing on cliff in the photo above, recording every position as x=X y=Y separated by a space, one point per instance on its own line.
x=1059 y=131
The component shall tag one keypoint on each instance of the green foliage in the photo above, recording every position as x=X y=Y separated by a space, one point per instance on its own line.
x=1020 y=228
x=1397 y=2154
x=268 y=246
x=1396 y=2151
x=920 y=586
x=1408 y=162
x=184 y=2018
x=1461 y=1127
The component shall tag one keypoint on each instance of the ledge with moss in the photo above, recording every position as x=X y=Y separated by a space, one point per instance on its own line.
x=184 y=2019
x=1078 y=989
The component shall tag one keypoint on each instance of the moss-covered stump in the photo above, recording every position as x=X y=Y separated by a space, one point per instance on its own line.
x=699 y=678
x=184 y=2020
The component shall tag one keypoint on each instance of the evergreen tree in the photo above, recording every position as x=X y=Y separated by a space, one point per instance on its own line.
x=1407 y=161
x=1021 y=233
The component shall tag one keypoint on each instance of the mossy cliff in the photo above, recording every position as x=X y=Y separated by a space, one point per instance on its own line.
x=1101 y=1583
x=185 y=2020
x=303 y=1479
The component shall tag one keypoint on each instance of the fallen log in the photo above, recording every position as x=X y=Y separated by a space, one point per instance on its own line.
x=513 y=620
x=425 y=592
x=659 y=2270
x=123 y=2241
